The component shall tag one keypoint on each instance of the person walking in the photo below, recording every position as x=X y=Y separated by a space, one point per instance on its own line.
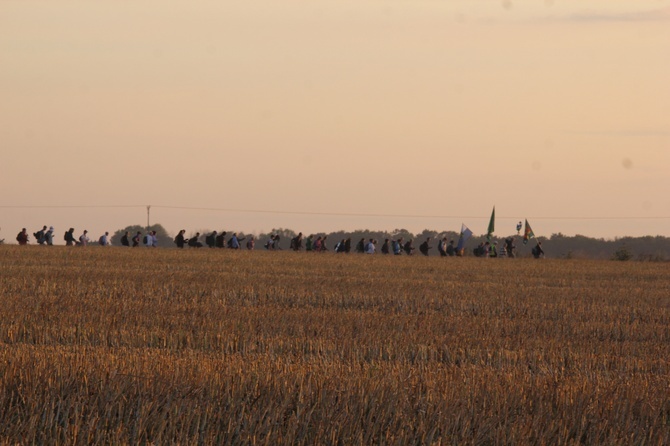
x=22 y=237
x=69 y=238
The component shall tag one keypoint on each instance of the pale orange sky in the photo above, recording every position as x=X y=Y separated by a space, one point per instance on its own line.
x=426 y=112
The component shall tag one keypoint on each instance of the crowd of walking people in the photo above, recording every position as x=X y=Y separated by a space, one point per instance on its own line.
x=399 y=246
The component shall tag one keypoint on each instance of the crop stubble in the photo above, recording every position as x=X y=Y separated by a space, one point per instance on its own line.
x=216 y=346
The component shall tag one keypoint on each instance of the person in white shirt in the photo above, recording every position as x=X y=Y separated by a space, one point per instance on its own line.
x=83 y=239
x=370 y=247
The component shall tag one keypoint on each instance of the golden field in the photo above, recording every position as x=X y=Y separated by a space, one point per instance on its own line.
x=142 y=346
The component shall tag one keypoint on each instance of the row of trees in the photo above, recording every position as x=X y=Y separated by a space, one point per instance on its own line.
x=557 y=246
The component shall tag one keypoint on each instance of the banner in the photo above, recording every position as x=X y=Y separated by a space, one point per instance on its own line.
x=527 y=233
x=492 y=225
x=465 y=235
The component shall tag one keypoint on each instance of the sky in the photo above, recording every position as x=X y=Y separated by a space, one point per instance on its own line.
x=336 y=115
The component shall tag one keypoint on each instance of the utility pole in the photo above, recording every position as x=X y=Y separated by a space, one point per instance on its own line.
x=148 y=216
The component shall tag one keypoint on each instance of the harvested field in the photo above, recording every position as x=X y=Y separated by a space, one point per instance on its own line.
x=112 y=345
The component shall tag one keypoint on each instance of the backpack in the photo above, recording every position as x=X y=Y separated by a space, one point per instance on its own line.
x=230 y=242
x=65 y=236
x=210 y=240
x=100 y=241
x=146 y=239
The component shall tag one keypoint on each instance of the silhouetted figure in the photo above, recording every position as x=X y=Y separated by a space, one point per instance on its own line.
x=451 y=249
x=125 y=241
x=221 y=240
x=409 y=247
x=510 y=247
x=69 y=238
x=193 y=241
x=180 y=240
x=136 y=239
x=210 y=240
x=386 y=247
x=360 y=246
x=22 y=237
x=39 y=235
x=537 y=251
x=425 y=247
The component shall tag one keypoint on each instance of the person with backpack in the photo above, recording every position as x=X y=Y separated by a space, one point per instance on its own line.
x=210 y=240
x=136 y=239
x=148 y=239
x=22 y=237
x=69 y=238
x=104 y=239
x=409 y=247
x=537 y=251
x=251 y=243
x=39 y=235
x=360 y=246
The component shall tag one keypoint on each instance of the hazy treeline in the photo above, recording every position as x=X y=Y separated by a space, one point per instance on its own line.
x=648 y=248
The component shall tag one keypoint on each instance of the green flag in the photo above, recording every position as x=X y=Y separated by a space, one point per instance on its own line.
x=492 y=224
x=527 y=233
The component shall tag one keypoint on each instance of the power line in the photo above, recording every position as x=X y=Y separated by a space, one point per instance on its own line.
x=337 y=214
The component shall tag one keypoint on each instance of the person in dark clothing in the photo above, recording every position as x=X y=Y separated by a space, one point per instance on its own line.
x=137 y=239
x=22 y=237
x=451 y=249
x=70 y=240
x=360 y=246
x=124 y=239
x=221 y=240
x=510 y=248
x=180 y=240
x=425 y=247
x=193 y=241
x=538 y=252
x=386 y=246
x=409 y=247
x=296 y=242
x=39 y=235
x=210 y=240
x=347 y=245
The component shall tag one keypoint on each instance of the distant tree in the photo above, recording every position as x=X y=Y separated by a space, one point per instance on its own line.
x=165 y=240
x=622 y=254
